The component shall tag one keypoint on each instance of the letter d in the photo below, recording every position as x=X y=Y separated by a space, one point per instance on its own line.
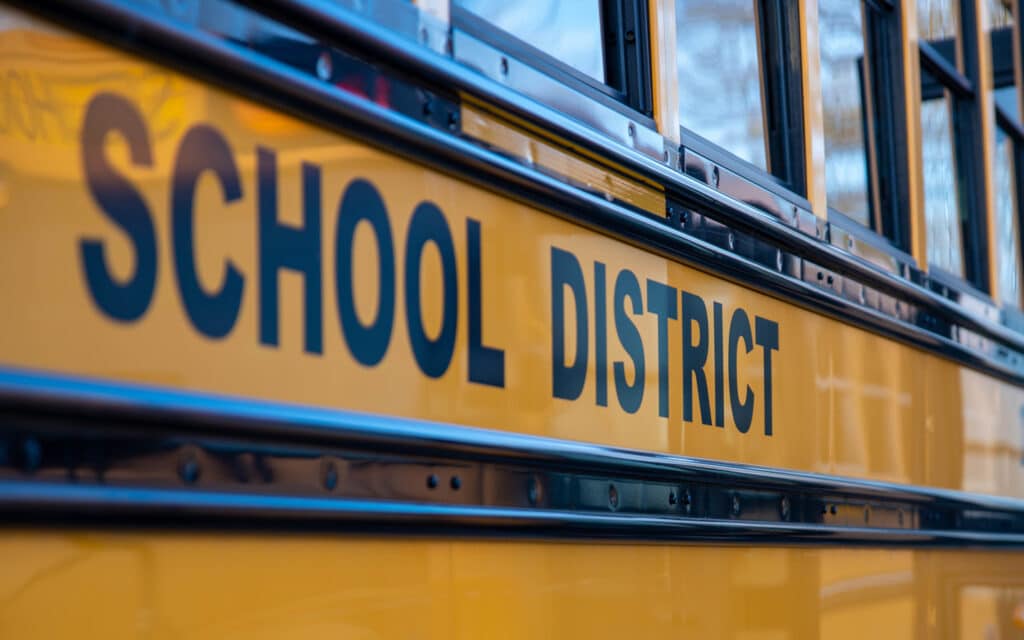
x=567 y=380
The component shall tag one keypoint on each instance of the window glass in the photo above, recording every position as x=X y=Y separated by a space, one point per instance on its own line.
x=941 y=187
x=568 y=31
x=720 y=75
x=938 y=22
x=1007 y=232
x=999 y=13
x=843 y=93
x=1006 y=98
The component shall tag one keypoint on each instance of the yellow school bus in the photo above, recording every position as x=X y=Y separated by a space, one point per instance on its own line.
x=480 y=319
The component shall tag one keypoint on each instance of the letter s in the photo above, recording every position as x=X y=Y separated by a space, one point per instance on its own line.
x=119 y=200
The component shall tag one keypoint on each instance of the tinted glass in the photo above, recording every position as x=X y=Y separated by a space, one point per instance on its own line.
x=1006 y=98
x=719 y=65
x=843 y=75
x=938 y=21
x=568 y=31
x=1007 y=231
x=941 y=187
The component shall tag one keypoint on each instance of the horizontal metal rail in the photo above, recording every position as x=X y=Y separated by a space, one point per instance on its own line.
x=106 y=452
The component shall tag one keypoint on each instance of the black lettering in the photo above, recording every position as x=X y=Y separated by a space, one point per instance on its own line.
x=486 y=364
x=203 y=149
x=695 y=357
x=630 y=395
x=367 y=343
x=286 y=247
x=719 y=367
x=429 y=225
x=661 y=301
x=600 y=335
x=768 y=340
x=567 y=380
x=122 y=203
x=742 y=411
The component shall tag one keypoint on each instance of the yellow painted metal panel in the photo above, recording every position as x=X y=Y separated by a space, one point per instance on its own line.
x=843 y=400
x=162 y=585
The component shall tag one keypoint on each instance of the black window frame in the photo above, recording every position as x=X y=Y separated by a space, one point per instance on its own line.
x=884 y=122
x=1004 y=75
x=781 y=76
x=625 y=37
x=939 y=74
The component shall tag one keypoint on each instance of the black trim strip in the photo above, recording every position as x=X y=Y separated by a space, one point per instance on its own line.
x=947 y=75
x=85 y=451
x=303 y=95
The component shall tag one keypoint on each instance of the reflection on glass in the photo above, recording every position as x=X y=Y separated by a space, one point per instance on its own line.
x=720 y=75
x=941 y=188
x=1006 y=98
x=567 y=31
x=842 y=91
x=937 y=19
x=1008 y=236
x=999 y=12
x=940 y=20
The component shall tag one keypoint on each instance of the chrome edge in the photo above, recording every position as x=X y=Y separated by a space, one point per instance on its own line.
x=80 y=449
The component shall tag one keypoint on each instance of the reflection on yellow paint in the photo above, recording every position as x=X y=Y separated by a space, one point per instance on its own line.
x=163 y=585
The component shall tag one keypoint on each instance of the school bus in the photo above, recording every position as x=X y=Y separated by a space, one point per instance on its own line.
x=468 y=318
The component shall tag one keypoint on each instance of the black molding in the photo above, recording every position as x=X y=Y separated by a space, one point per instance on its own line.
x=90 y=452
x=780 y=43
x=627 y=88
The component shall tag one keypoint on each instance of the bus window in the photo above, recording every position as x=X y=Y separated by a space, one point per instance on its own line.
x=952 y=142
x=844 y=93
x=567 y=31
x=721 y=93
x=941 y=186
x=596 y=47
x=938 y=23
x=1009 y=144
x=862 y=106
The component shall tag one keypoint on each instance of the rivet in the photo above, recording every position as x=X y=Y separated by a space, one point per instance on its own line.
x=833 y=509
x=672 y=497
x=849 y=244
x=684 y=216
x=453 y=120
x=324 y=67
x=428 y=106
x=424 y=36
x=732 y=241
x=631 y=130
x=821 y=275
x=867 y=514
x=715 y=177
x=687 y=501
x=736 y=505
x=533 y=491
x=456 y=483
x=829 y=280
x=784 y=507
x=329 y=476
x=613 y=497
x=32 y=454
x=778 y=259
x=188 y=469
x=432 y=481
x=630 y=36
x=504 y=66
x=664 y=156
x=863 y=296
